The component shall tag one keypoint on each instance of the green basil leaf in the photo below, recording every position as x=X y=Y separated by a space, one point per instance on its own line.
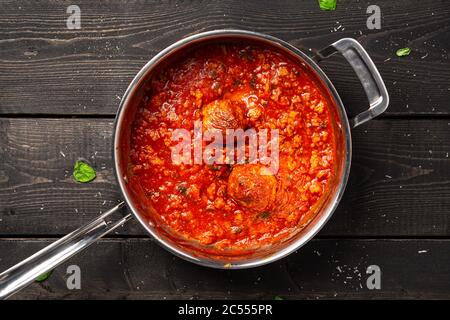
x=327 y=4
x=44 y=276
x=403 y=52
x=82 y=172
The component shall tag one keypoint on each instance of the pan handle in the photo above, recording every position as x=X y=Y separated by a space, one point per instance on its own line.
x=25 y=272
x=367 y=73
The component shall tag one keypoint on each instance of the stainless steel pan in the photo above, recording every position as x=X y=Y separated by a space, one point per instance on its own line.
x=48 y=258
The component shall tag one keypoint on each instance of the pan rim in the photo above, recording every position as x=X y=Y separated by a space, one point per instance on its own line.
x=315 y=227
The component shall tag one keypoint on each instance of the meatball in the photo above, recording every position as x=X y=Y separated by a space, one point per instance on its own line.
x=222 y=115
x=252 y=186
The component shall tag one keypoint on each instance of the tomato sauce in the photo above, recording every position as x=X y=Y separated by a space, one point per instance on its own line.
x=224 y=206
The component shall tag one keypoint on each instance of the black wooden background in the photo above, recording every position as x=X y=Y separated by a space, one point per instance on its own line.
x=59 y=91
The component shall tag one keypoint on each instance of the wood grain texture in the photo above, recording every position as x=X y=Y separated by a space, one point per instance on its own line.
x=399 y=183
x=47 y=69
x=140 y=269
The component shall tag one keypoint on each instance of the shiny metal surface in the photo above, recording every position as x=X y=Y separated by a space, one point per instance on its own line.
x=367 y=73
x=313 y=227
x=26 y=271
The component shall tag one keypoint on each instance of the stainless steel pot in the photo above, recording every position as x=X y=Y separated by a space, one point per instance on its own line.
x=48 y=258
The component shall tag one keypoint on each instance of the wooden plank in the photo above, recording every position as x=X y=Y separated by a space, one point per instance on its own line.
x=332 y=269
x=47 y=69
x=399 y=182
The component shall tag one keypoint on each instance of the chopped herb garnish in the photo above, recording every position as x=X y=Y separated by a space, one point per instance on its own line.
x=264 y=214
x=278 y=298
x=328 y=5
x=403 y=52
x=253 y=82
x=213 y=74
x=236 y=230
x=82 y=172
x=44 y=276
x=182 y=189
x=246 y=55
x=215 y=86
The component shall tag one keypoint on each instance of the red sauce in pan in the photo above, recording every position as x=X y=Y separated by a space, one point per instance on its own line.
x=241 y=86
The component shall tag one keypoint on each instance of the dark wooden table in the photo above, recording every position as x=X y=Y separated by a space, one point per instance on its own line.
x=60 y=90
